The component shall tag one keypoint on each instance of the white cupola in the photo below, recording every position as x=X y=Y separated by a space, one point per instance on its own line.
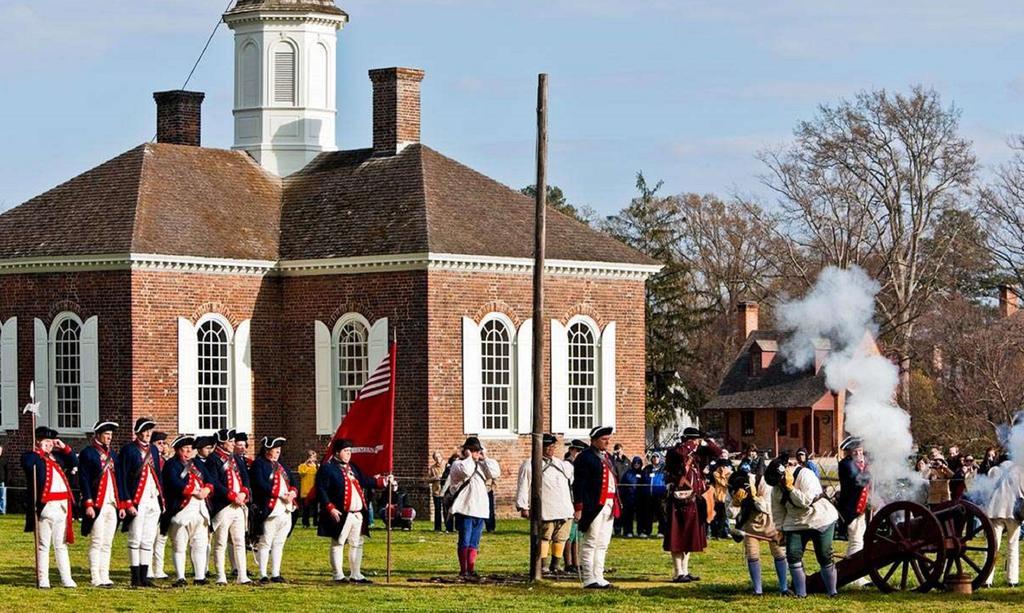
x=285 y=79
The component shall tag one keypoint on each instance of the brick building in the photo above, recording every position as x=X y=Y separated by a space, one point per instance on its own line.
x=762 y=401
x=255 y=287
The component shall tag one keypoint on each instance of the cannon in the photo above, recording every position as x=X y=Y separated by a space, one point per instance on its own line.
x=909 y=546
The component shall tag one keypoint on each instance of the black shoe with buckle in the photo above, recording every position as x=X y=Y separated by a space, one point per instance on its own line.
x=278 y=579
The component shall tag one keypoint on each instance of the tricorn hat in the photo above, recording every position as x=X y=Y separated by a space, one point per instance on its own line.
x=205 y=441
x=241 y=437
x=45 y=432
x=272 y=442
x=550 y=439
x=225 y=434
x=599 y=431
x=339 y=444
x=692 y=433
x=142 y=424
x=158 y=436
x=576 y=444
x=183 y=440
x=851 y=442
x=104 y=426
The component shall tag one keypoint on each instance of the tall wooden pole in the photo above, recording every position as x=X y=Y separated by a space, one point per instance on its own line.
x=537 y=473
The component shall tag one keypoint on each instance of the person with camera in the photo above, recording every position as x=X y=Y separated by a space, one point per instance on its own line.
x=804 y=514
x=687 y=521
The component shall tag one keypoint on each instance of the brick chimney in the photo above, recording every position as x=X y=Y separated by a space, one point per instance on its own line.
x=178 y=117
x=396 y=109
x=1008 y=304
x=746 y=319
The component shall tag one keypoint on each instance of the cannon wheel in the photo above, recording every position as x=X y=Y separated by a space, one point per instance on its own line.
x=904 y=546
x=974 y=552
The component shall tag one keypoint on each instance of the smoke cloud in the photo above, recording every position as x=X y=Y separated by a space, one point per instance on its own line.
x=840 y=309
x=1011 y=437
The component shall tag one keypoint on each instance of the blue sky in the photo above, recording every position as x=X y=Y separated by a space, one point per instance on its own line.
x=686 y=91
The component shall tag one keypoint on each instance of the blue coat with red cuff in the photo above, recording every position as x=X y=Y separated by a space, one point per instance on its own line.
x=92 y=473
x=217 y=469
x=333 y=491
x=269 y=479
x=180 y=480
x=130 y=473
x=35 y=466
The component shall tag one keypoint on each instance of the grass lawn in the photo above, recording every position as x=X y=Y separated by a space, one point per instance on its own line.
x=638 y=567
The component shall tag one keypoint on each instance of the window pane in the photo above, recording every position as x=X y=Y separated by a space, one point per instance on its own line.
x=353 y=364
x=214 y=390
x=67 y=374
x=582 y=377
x=496 y=375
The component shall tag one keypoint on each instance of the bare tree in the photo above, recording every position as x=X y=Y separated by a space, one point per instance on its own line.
x=977 y=377
x=864 y=183
x=1002 y=208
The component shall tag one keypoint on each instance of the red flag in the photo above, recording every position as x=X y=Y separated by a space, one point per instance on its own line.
x=370 y=421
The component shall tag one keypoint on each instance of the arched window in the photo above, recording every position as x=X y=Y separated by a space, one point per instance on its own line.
x=582 y=376
x=284 y=74
x=213 y=344
x=67 y=372
x=352 y=339
x=496 y=375
x=250 y=75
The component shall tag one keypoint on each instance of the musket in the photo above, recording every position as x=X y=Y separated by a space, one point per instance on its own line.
x=32 y=408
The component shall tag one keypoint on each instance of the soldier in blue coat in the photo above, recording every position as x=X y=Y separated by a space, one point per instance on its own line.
x=138 y=486
x=186 y=521
x=343 y=493
x=274 y=497
x=45 y=468
x=102 y=508
x=597 y=505
x=231 y=494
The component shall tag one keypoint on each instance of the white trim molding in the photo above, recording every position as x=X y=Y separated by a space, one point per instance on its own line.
x=452 y=262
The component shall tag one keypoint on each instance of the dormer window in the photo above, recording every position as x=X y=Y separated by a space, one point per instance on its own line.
x=762 y=353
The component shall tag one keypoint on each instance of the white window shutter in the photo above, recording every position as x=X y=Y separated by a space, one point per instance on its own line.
x=322 y=374
x=90 y=371
x=42 y=372
x=243 y=377
x=559 y=377
x=524 y=377
x=9 y=409
x=188 y=378
x=378 y=344
x=471 y=377
x=608 y=375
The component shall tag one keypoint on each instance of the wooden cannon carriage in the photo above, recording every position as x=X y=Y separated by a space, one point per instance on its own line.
x=909 y=546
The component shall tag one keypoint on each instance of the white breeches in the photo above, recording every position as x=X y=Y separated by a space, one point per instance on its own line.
x=230 y=522
x=100 y=540
x=855 y=541
x=156 y=569
x=1012 y=529
x=594 y=547
x=351 y=533
x=142 y=532
x=271 y=544
x=52 y=532
x=190 y=530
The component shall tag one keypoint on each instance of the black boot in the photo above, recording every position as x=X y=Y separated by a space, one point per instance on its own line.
x=135 y=575
x=144 y=580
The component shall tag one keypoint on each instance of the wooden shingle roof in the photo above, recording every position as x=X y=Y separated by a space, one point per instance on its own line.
x=191 y=201
x=777 y=387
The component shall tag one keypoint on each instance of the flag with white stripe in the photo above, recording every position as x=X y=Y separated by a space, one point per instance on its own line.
x=369 y=423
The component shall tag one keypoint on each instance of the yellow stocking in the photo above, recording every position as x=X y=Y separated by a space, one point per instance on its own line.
x=557 y=549
x=545 y=547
